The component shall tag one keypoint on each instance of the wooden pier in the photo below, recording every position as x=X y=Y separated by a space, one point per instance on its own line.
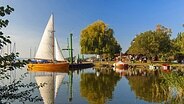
x=81 y=65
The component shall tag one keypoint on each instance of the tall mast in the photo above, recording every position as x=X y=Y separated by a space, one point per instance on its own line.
x=52 y=32
x=30 y=53
x=14 y=48
x=10 y=49
x=71 y=50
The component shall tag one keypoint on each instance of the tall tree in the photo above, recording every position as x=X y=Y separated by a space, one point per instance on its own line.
x=98 y=38
x=178 y=47
x=179 y=43
x=152 y=43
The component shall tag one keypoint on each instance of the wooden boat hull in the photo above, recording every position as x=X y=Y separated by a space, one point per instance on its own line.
x=52 y=67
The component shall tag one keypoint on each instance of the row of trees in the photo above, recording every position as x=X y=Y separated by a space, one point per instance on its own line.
x=157 y=43
x=98 y=38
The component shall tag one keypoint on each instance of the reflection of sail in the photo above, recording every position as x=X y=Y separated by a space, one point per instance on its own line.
x=49 y=86
x=59 y=79
x=46 y=84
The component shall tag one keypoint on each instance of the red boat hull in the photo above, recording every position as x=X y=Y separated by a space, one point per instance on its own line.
x=121 y=65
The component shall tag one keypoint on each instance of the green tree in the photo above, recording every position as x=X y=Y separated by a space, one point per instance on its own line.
x=152 y=43
x=9 y=62
x=98 y=38
x=178 y=47
x=178 y=43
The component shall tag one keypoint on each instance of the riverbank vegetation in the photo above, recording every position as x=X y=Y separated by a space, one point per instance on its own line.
x=156 y=45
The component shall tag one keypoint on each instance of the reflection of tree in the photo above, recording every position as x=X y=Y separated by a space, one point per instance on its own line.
x=148 y=88
x=98 y=89
x=175 y=82
x=19 y=91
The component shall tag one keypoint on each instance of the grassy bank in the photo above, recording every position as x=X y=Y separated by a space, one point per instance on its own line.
x=157 y=63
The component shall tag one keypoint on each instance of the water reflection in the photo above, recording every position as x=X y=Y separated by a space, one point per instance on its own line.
x=98 y=88
x=148 y=88
x=49 y=84
x=174 y=81
x=70 y=86
x=135 y=72
x=156 y=86
x=103 y=85
x=46 y=88
x=16 y=90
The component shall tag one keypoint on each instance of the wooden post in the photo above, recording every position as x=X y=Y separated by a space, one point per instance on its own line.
x=71 y=50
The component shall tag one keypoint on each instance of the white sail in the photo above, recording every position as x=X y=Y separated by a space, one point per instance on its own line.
x=47 y=89
x=45 y=49
x=58 y=82
x=58 y=53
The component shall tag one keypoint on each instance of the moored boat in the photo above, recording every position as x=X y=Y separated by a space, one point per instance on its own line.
x=165 y=67
x=49 y=56
x=50 y=67
x=121 y=65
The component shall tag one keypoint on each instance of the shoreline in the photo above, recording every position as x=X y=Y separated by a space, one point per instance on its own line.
x=137 y=64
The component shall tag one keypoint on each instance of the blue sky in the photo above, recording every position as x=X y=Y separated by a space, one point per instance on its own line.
x=126 y=17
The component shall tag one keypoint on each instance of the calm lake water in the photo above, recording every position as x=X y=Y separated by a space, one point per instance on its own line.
x=98 y=86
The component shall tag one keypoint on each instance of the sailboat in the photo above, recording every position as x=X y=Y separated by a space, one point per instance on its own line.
x=48 y=56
